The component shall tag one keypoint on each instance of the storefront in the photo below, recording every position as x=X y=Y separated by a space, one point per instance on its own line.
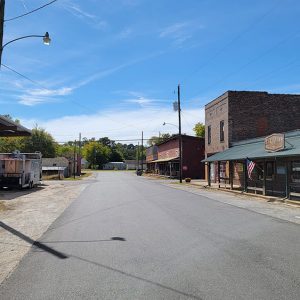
x=267 y=166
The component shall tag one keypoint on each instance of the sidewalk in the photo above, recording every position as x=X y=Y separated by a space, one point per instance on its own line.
x=257 y=203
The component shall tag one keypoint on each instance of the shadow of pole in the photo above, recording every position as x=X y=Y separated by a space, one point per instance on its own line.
x=33 y=242
x=137 y=277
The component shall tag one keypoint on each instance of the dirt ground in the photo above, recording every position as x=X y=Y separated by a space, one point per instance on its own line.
x=28 y=213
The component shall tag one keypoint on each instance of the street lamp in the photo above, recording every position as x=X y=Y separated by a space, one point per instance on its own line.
x=46 y=41
x=170 y=124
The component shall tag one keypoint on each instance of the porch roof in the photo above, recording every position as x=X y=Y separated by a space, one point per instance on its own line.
x=10 y=128
x=165 y=159
x=255 y=149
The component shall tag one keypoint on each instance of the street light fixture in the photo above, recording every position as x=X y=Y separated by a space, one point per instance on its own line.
x=46 y=41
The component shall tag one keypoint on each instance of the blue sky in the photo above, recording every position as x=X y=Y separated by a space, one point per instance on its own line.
x=113 y=65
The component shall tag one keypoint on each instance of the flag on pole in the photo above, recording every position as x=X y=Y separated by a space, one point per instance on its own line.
x=250 y=167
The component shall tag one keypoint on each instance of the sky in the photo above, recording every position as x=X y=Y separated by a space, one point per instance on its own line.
x=113 y=66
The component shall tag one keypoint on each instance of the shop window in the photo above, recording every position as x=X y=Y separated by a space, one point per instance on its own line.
x=221 y=131
x=209 y=135
x=295 y=172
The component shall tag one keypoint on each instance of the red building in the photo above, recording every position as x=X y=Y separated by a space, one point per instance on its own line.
x=163 y=158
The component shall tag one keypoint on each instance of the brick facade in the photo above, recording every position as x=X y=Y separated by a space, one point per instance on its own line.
x=249 y=115
x=193 y=152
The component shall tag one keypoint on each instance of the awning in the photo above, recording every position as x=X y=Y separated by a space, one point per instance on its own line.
x=10 y=128
x=165 y=159
x=255 y=149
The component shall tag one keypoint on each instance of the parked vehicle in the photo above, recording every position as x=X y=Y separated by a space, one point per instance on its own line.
x=20 y=170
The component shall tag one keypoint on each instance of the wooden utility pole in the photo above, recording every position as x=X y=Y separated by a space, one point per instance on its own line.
x=180 y=136
x=142 y=158
x=138 y=157
x=2 y=7
x=74 y=162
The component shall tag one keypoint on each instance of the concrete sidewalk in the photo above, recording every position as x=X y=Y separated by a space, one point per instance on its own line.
x=260 y=204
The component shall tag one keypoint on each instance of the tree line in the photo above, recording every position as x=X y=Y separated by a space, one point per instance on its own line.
x=96 y=152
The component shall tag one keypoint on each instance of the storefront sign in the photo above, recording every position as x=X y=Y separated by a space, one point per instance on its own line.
x=275 y=142
x=184 y=168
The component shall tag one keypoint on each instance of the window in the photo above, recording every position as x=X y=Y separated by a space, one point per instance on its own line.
x=209 y=135
x=295 y=171
x=270 y=166
x=222 y=131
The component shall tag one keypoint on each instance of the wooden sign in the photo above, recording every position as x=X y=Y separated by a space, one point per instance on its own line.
x=275 y=142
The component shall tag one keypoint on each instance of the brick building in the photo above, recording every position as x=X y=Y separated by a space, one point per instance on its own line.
x=163 y=158
x=236 y=116
x=238 y=127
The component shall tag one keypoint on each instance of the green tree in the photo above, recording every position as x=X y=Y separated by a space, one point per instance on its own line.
x=116 y=156
x=156 y=140
x=41 y=141
x=65 y=150
x=96 y=154
x=199 y=129
x=10 y=144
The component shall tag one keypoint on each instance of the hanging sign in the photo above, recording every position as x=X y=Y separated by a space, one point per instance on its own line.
x=275 y=142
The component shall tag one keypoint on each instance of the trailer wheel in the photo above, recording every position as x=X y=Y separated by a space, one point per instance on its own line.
x=30 y=185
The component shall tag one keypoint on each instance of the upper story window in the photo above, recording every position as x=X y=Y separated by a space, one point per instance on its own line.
x=221 y=131
x=209 y=135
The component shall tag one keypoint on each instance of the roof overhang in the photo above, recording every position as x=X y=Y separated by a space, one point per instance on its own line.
x=10 y=128
x=165 y=159
x=255 y=149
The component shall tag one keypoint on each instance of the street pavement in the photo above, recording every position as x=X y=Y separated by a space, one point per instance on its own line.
x=127 y=237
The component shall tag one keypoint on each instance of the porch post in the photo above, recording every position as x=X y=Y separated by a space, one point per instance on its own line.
x=264 y=179
x=231 y=174
x=245 y=176
x=219 y=179
x=287 y=179
x=208 y=174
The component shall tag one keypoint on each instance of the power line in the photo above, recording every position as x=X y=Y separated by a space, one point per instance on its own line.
x=238 y=36
x=30 y=12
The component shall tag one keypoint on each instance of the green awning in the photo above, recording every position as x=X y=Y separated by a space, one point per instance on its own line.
x=255 y=149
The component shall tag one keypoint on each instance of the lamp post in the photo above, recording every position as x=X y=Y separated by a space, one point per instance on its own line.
x=46 y=41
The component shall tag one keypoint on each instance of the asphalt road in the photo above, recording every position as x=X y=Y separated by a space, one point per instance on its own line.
x=127 y=237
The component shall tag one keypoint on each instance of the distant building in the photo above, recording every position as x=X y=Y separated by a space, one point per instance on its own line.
x=114 y=166
x=131 y=164
x=163 y=158
x=57 y=166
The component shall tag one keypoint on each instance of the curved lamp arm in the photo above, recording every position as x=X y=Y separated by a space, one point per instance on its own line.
x=46 y=39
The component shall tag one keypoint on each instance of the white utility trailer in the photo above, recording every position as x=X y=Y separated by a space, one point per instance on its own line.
x=20 y=170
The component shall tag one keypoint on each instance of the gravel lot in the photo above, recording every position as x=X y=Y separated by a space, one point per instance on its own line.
x=31 y=212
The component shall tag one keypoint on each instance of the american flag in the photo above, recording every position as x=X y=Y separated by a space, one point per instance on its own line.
x=250 y=167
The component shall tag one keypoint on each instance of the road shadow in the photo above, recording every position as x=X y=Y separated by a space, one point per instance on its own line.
x=34 y=243
x=112 y=239
x=165 y=287
x=11 y=194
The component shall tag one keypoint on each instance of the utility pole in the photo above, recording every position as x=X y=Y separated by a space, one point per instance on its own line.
x=142 y=152
x=79 y=151
x=2 y=7
x=138 y=157
x=180 y=136
x=74 y=163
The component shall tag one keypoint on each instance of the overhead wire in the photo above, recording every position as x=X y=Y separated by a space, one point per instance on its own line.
x=30 y=12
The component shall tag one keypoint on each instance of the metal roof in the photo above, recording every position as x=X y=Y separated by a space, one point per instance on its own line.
x=165 y=159
x=11 y=128
x=255 y=148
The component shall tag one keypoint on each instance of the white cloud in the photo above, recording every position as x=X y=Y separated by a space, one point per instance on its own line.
x=80 y=13
x=180 y=32
x=119 y=125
